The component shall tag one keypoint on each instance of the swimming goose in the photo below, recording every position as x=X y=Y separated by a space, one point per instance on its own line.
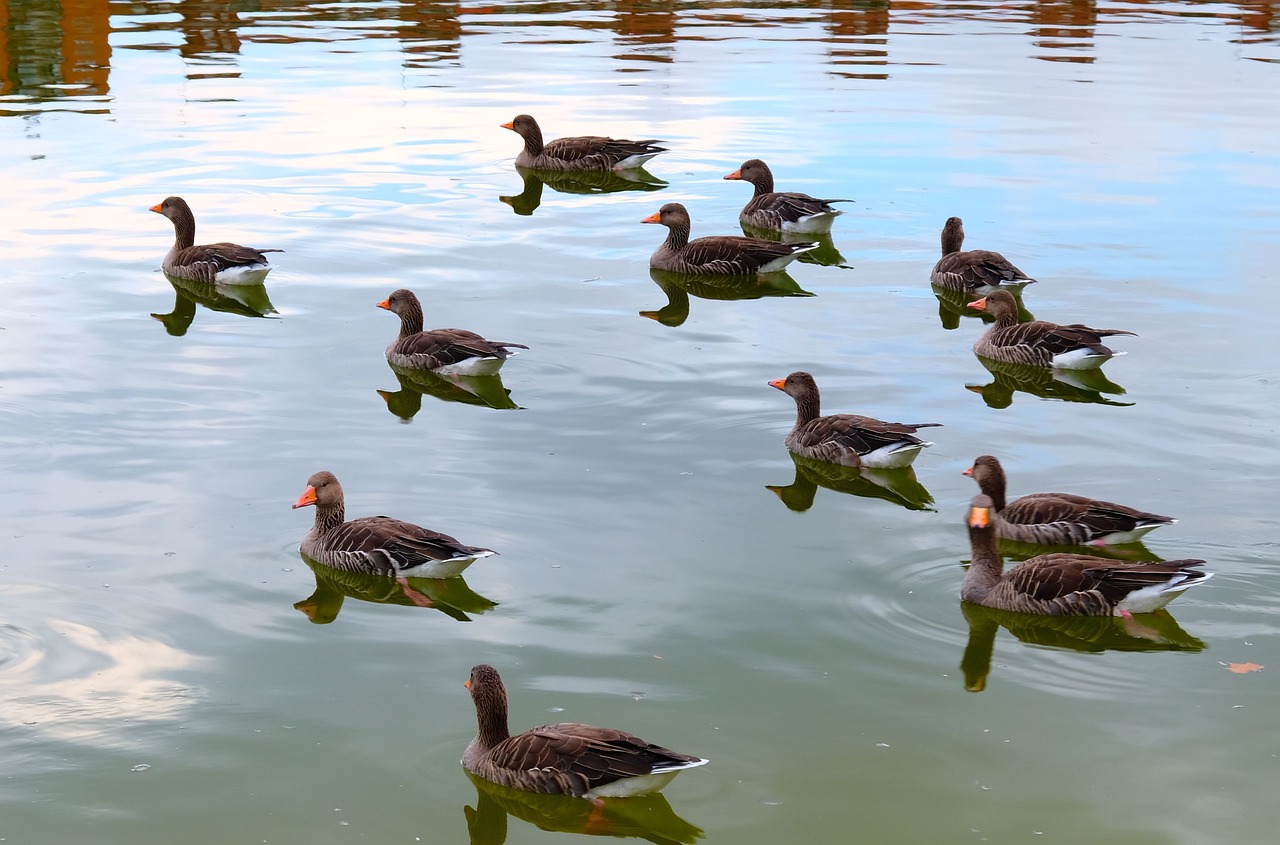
x=591 y=152
x=565 y=758
x=1060 y=518
x=446 y=351
x=1068 y=584
x=780 y=211
x=846 y=439
x=1039 y=343
x=717 y=255
x=227 y=263
x=973 y=270
x=377 y=544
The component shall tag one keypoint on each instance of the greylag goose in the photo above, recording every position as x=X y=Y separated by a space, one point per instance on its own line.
x=972 y=270
x=1060 y=518
x=782 y=211
x=717 y=255
x=590 y=152
x=565 y=758
x=1039 y=343
x=377 y=544
x=1068 y=584
x=846 y=439
x=448 y=351
x=226 y=263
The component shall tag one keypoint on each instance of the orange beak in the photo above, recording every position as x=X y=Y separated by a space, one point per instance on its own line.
x=968 y=472
x=656 y=217
x=979 y=517
x=156 y=207
x=468 y=683
x=980 y=304
x=737 y=174
x=308 y=497
x=508 y=125
x=779 y=383
x=385 y=304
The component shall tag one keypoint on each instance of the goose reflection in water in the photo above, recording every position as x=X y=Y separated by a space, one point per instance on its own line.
x=450 y=596
x=825 y=255
x=1157 y=631
x=892 y=485
x=954 y=304
x=648 y=817
x=469 y=390
x=1065 y=385
x=678 y=287
x=245 y=300
x=578 y=182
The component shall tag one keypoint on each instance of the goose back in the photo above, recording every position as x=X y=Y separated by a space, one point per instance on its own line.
x=717 y=255
x=974 y=270
x=588 y=152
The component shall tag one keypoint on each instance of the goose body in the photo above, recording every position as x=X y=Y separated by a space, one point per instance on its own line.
x=377 y=544
x=717 y=255
x=1039 y=343
x=225 y=263
x=444 y=351
x=782 y=211
x=847 y=439
x=1060 y=518
x=1068 y=584
x=972 y=270
x=591 y=152
x=566 y=758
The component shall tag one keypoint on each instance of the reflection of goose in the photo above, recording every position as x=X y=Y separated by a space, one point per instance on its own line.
x=450 y=596
x=221 y=262
x=782 y=211
x=457 y=351
x=847 y=439
x=591 y=152
x=1068 y=584
x=1060 y=518
x=717 y=255
x=1047 y=383
x=1039 y=343
x=953 y=305
x=245 y=300
x=893 y=485
x=824 y=254
x=1156 y=631
x=567 y=758
x=377 y=544
x=647 y=817
x=578 y=182
x=469 y=390
x=678 y=287
x=972 y=270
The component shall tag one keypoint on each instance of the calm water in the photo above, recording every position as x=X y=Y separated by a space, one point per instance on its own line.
x=174 y=671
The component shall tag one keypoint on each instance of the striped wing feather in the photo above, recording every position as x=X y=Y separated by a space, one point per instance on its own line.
x=392 y=544
x=596 y=150
x=976 y=268
x=733 y=254
x=442 y=347
x=862 y=434
x=1095 y=518
x=1083 y=585
x=1053 y=338
x=790 y=206
x=203 y=262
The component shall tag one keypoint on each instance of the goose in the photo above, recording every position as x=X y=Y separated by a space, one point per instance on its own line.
x=226 y=263
x=1060 y=518
x=377 y=544
x=445 y=351
x=717 y=255
x=565 y=758
x=591 y=152
x=1039 y=343
x=781 y=211
x=1068 y=584
x=846 y=439
x=972 y=270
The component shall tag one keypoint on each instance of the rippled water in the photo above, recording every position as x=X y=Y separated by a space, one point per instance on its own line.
x=173 y=668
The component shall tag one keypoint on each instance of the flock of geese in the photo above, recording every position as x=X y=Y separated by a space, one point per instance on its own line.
x=582 y=760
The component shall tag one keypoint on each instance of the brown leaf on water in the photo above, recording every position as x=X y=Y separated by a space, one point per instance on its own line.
x=1243 y=668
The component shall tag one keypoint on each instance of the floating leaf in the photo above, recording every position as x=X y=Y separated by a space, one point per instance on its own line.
x=1244 y=668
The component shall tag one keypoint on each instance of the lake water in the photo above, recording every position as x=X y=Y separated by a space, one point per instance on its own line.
x=174 y=671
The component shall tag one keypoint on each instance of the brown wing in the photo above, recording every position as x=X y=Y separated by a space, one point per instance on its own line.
x=391 y=545
x=1097 y=517
x=862 y=434
x=791 y=206
x=205 y=261
x=577 y=758
x=1053 y=338
x=451 y=346
x=976 y=268
x=1058 y=576
x=598 y=151
x=733 y=254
